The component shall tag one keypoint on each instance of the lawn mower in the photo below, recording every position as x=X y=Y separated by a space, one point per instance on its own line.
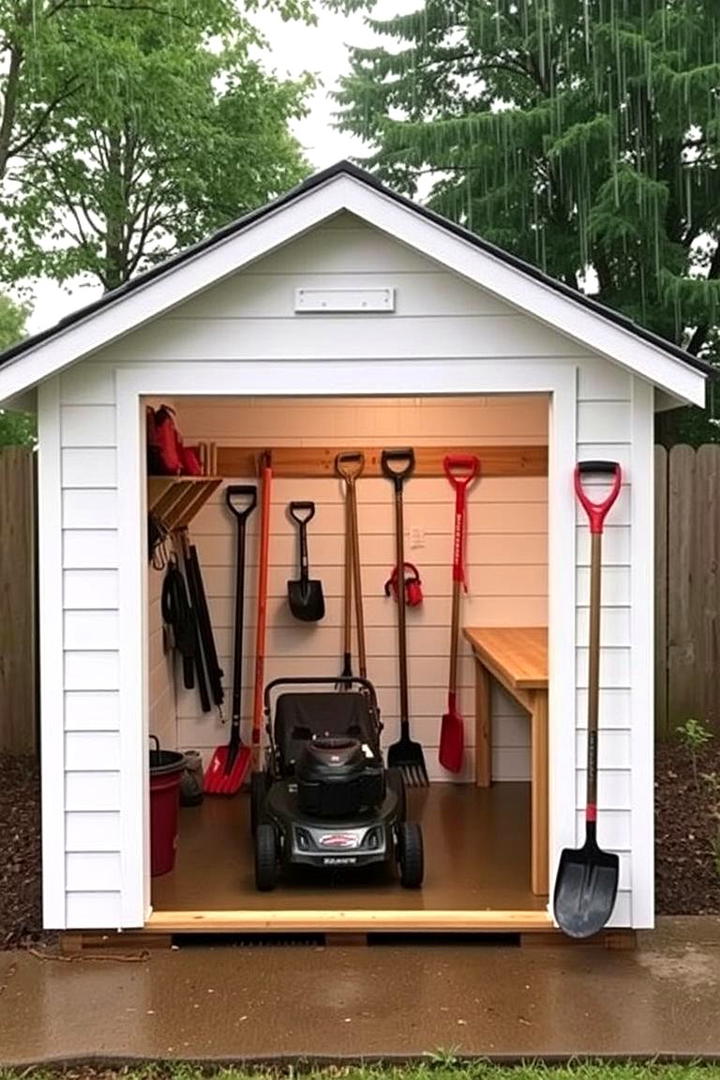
x=325 y=798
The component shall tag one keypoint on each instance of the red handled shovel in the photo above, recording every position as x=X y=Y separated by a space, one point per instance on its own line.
x=461 y=470
x=587 y=878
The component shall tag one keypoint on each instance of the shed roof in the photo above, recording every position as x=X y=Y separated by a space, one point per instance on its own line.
x=17 y=376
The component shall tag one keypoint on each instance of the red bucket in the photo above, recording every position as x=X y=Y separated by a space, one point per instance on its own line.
x=166 y=769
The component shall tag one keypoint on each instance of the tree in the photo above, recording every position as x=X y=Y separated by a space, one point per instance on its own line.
x=117 y=117
x=16 y=428
x=583 y=135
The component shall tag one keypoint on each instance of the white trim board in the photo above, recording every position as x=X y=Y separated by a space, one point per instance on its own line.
x=309 y=209
x=335 y=379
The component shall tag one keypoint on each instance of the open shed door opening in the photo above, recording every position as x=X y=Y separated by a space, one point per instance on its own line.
x=484 y=826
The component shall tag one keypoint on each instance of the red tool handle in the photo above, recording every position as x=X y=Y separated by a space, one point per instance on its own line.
x=597 y=511
x=461 y=470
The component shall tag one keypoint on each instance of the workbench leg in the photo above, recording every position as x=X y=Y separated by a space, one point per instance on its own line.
x=483 y=727
x=539 y=721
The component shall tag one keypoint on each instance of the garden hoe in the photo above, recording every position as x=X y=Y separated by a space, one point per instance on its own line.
x=587 y=878
x=461 y=470
x=349 y=466
x=229 y=764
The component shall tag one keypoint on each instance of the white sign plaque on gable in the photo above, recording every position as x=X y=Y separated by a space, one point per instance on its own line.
x=333 y=300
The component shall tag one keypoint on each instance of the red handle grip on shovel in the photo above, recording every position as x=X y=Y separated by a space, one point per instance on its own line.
x=597 y=511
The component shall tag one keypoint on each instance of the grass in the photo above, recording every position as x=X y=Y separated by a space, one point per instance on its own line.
x=443 y=1065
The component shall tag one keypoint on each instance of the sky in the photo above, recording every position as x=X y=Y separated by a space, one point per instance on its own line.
x=321 y=49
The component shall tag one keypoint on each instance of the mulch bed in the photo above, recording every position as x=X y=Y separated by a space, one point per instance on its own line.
x=20 y=896
x=687 y=880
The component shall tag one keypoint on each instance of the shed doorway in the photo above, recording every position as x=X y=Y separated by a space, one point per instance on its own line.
x=480 y=849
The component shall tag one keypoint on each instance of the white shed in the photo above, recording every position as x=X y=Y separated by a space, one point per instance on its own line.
x=344 y=315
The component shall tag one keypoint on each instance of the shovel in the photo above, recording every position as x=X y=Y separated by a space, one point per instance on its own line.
x=305 y=596
x=461 y=470
x=229 y=764
x=587 y=878
x=405 y=754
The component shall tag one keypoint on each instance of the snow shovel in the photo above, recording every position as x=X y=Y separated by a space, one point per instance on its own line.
x=229 y=764
x=587 y=877
x=305 y=597
x=349 y=465
x=405 y=754
x=461 y=470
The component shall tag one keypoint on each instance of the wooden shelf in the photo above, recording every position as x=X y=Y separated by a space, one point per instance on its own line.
x=291 y=462
x=175 y=500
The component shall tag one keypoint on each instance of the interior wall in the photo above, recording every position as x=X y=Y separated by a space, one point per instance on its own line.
x=161 y=673
x=506 y=555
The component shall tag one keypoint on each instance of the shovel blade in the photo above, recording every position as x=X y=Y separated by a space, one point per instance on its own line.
x=225 y=777
x=452 y=742
x=306 y=600
x=585 y=890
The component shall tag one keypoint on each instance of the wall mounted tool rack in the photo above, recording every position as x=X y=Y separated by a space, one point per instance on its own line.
x=308 y=462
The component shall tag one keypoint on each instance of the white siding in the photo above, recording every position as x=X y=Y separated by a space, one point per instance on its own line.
x=604 y=430
x=250 y=317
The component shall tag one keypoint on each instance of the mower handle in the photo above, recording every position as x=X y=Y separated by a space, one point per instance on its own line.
x=597 y=511
x=344 y=464
x=322 y=680
x=241 y=491
x=468 y=464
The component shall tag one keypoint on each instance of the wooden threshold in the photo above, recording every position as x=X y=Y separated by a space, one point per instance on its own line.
x=365 y=921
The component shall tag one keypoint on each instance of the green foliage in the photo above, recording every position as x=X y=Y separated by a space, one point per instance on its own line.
x=693 y=735
x=12 y=322
x=134 y=129
x=575 y=134
x=16 y=428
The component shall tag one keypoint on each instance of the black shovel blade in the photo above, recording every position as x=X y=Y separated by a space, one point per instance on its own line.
x=585 y=890
x=306 y=600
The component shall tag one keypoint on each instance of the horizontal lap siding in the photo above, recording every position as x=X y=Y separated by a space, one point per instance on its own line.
x=506 y=555
x=604 y=431
x=93 y=783
x=93 y=803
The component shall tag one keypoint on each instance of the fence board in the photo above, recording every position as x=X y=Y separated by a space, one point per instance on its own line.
x=661 y=583
x=687 y=576
x=17 y=601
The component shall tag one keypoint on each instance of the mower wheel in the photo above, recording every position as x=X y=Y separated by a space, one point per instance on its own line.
x=396 y=783
x=258 y=791
x=266 y=858
x=410 y=855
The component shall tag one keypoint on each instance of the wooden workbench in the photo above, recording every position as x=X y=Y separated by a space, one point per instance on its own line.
x=518 y=658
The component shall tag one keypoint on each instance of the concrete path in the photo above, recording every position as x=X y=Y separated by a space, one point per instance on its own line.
x=382 y=1001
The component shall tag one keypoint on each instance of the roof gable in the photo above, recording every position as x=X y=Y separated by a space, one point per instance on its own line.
x=346 y=188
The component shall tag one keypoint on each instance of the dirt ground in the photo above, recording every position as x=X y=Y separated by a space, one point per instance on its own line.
x=20 y=896
x=687 y=879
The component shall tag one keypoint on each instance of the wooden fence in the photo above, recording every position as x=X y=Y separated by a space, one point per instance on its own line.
x=687 y=595
x=18 y=689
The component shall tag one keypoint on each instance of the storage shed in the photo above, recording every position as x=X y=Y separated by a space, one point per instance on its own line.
x=343 y=315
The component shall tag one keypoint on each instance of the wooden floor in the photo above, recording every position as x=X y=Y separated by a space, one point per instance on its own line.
x=477 y=857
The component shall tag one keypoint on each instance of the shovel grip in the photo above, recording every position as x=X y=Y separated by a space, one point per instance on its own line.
x=597 y=511
x=350 y=464
x=246 y=492
x=398 y=465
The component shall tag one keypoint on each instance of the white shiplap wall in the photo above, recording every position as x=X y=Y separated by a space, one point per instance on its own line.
x=604 y=431
x=249 y=317
x=506 y=555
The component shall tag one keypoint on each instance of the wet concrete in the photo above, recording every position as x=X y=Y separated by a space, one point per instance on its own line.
x=353 y=1002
